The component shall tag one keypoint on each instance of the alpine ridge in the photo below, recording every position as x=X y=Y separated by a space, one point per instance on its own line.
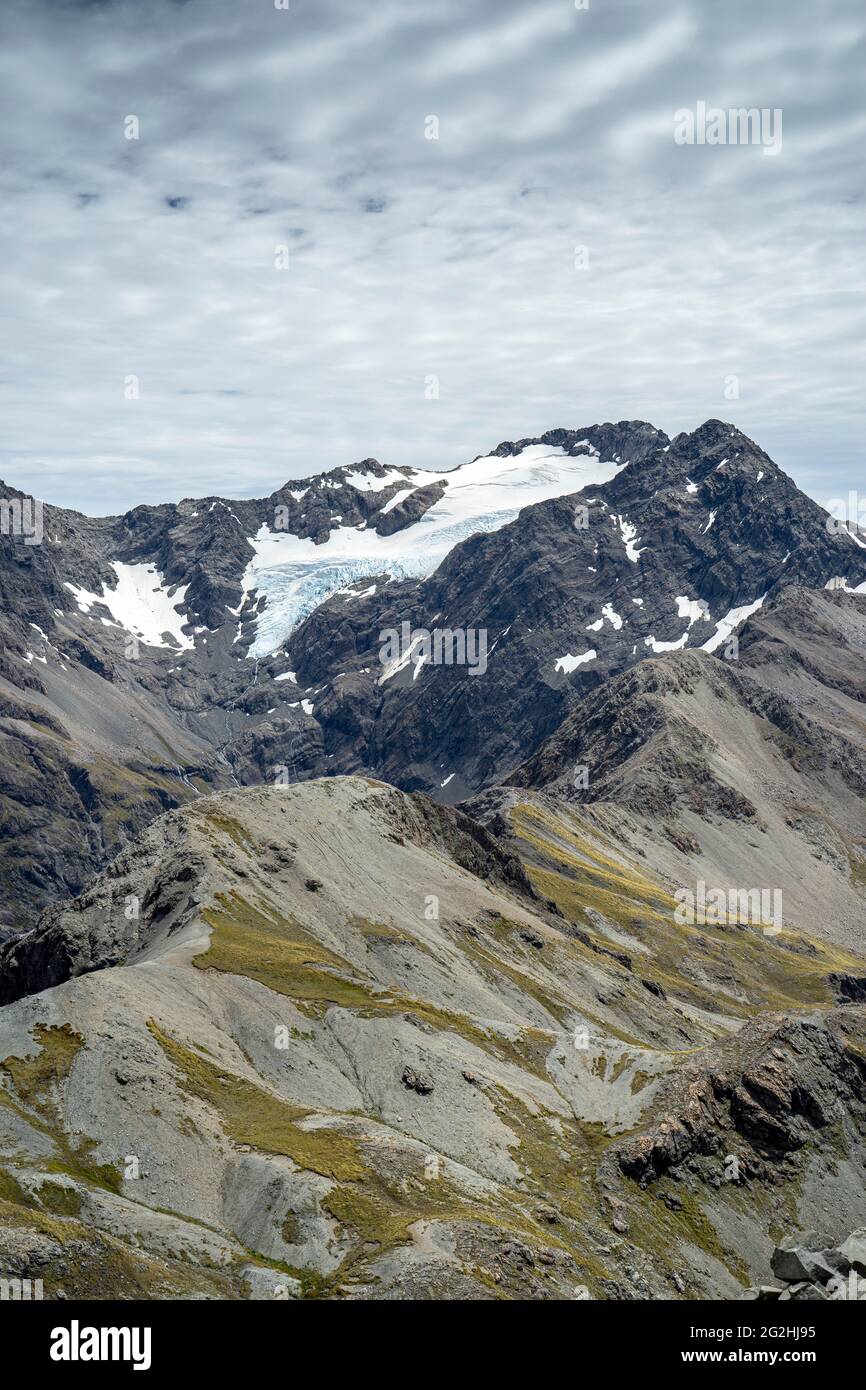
x=133 y=676
x=330 y=970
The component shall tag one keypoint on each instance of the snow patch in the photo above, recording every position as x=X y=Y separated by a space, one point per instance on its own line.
x=397 y=499
x=730 y=622
x=401 y=661
x=569 y=663
x=666 y=646
x=692 y=608
x=369 y=482
x=143 y=604
x=629 y=536
x=840 y=581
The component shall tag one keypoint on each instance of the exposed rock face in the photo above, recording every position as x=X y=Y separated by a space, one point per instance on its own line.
x=815 y=1270
x=329 y=1026
x=687 y=531
x=410 y=510
x=152 y=890
x=769 y=1088
x=148 y=890
x=98 y=734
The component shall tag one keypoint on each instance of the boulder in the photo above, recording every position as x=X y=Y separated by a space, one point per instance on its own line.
x=795 y=1263
x=853 y=1252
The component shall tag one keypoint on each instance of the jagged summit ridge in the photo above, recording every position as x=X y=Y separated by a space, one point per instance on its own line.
x=143 y=662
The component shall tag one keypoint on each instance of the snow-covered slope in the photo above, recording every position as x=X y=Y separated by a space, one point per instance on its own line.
x=295 y=574
x=142 y=603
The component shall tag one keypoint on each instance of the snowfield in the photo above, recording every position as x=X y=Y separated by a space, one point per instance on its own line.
x=296 y=575
x=569 y=663
x=142 y=604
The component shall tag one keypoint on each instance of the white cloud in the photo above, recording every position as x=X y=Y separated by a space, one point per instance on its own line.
x=411 y=258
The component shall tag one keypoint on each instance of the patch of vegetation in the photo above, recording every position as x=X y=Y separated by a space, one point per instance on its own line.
x=290 y=1229
x=622 y=894
x=60 y=1199
x=659 y=1231
x=558 y=1158
x=227 y=825
x=251 y=1115
x=756 y=972
x=858 y=870
x=279 y=954
x=94 y=1262
x=36 y=1081
x=36 y=1078
x=495 y=969
x=12 y=1191
x=313 y=1285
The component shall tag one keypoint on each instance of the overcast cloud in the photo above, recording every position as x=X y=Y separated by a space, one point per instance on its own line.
x=412 y=258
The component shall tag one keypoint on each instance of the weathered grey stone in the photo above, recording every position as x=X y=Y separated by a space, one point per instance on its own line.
x=853 y=1251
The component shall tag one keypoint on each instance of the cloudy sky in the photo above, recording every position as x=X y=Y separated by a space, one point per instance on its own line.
x=409 y=258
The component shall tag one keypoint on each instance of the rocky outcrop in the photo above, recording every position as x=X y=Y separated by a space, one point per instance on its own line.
x=813 y=1269
x=684 y=530
x=737 y=772
x=769 y=1089
x=409 y=510
x=148 y=891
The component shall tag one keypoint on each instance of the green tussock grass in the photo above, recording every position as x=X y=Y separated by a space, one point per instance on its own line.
x=12 y=1192
x=659 y=1232
x=62 y=1200
x=251 y=1115
x=98 y=1266
x=227 y=825
x=788 y=971
x=278 y=953
x=281 y=955
x=375 y=1210
x=36 y=1081
x=35 y=1078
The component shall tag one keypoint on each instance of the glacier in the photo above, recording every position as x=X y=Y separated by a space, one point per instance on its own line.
x=294 y=575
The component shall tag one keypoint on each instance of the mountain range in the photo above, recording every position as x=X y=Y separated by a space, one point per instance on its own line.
x=334 y=967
